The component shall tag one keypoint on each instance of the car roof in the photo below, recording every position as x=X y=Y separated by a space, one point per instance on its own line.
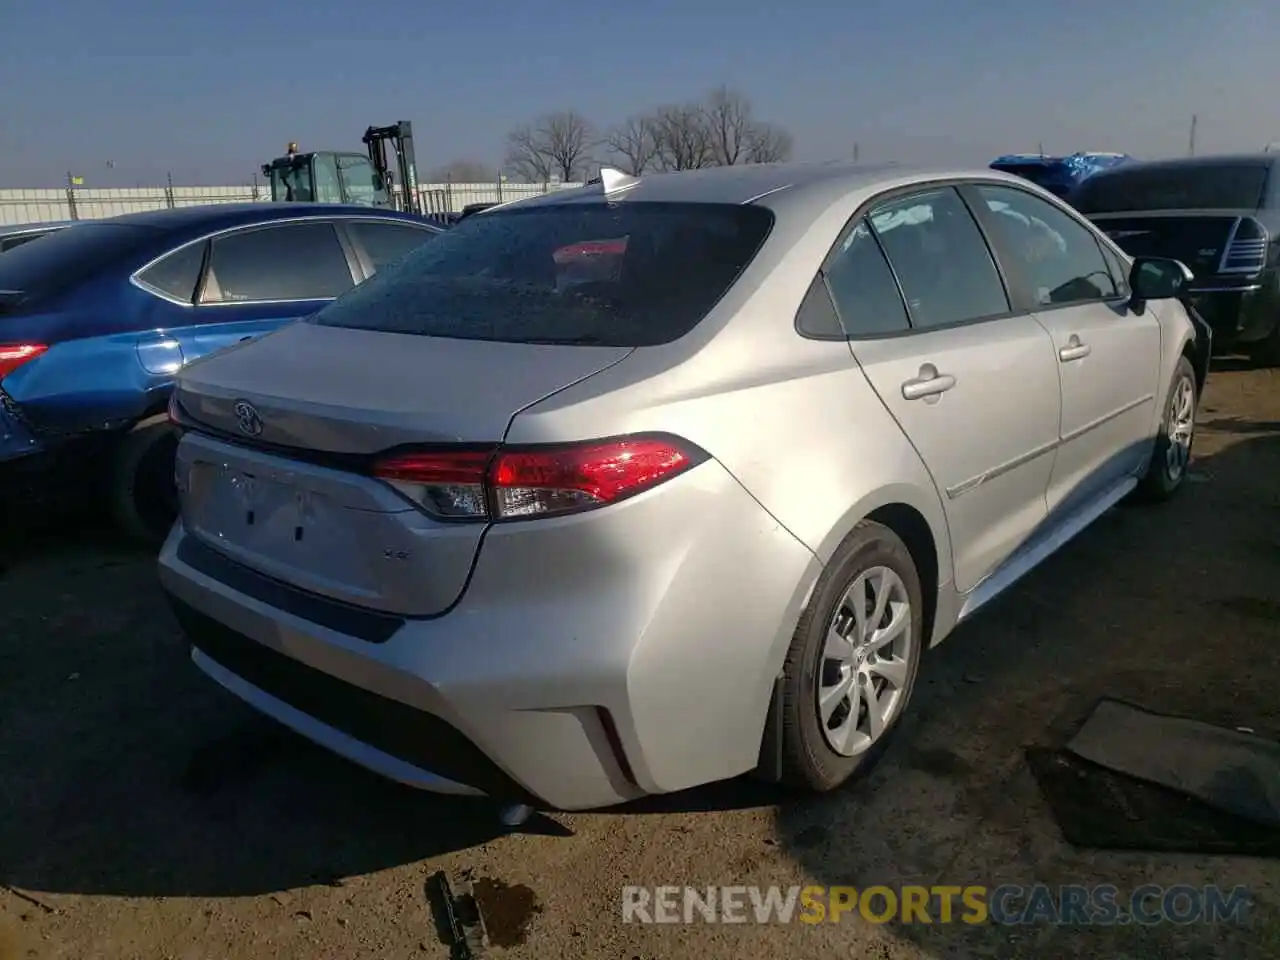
x=776 y=185
x=13 y=229
x=217 y=216
x=1191 y=163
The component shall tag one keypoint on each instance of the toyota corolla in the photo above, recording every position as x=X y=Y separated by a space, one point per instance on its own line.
x=663 y=480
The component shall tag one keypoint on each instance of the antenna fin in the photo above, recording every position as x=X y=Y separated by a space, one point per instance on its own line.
x=614 y=181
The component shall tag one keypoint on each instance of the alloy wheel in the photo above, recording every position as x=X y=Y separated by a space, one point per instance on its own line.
x=865 y=665
x=1182 y=423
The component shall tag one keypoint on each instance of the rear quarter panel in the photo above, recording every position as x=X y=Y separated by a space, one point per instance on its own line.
x=793 y=419
x=114 y=352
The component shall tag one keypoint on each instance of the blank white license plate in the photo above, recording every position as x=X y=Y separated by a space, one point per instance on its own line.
x=259 y=513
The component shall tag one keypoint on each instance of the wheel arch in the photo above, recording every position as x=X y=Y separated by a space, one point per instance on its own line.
x=1197 y=355
x=911 y=527
x=917 y=517
x=918 y=520
x=1193 y=339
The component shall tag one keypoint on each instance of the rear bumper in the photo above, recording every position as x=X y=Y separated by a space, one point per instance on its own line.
x=591 y=660
x=17 y=440
x=36 y=469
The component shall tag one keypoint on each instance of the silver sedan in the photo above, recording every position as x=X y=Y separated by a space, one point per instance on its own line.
x=667 y=479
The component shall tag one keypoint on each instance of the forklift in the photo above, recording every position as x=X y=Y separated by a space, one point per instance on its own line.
x=366 y=179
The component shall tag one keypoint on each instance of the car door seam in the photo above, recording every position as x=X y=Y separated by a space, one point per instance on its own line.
x=920 y=458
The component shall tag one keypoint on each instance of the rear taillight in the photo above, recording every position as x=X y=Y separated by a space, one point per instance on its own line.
x=513 y=483
x=448 y=484
x=1246 y=249
x=537 y=482
x=14 y=355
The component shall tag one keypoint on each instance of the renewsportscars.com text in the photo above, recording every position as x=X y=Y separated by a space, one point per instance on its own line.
x=1008 y=904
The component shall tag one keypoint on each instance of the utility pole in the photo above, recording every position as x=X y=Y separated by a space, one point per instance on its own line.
x=1191 y=146
x=1040 y=146
x=855 y=151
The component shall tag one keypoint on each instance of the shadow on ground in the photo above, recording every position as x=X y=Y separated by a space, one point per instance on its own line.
x=126 y=772
x=1176 y=607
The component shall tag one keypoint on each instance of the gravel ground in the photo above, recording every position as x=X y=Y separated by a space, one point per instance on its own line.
x=145 y=814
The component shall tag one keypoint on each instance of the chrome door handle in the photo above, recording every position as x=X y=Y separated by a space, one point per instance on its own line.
x=1074 y=350
x=928 y=383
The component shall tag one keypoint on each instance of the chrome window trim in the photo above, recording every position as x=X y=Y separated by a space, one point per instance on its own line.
x=135 y=277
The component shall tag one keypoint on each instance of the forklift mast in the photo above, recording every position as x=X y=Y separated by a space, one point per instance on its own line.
x=400 y=137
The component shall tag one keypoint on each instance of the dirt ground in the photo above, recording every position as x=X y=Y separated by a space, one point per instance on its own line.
x=145 y=814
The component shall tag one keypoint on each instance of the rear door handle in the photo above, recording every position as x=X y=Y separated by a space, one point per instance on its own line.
x=1074 y=350
x=928 y=383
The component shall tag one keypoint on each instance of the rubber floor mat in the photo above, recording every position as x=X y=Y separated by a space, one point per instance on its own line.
x=1232 y=771
x=1131 y=779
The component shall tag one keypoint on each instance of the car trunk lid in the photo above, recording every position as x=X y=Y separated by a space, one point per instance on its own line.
x=276 y=470
x=338 y=390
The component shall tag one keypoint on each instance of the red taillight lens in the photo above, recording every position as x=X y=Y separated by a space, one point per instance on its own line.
x=12 y=356
x=446 y=483
x=526 y=482
x=537 y=482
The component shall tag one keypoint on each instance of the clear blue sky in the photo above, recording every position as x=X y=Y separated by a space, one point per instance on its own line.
x=209 y=90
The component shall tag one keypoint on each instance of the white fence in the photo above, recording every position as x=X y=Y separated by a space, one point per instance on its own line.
x=81 y=203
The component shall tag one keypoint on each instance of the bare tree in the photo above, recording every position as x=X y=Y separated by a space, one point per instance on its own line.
x=633 y=144
x=768 y=143
x=729 y=124
x=555 y=146
x=682 y=137
x=526 y=157
x=720 y=130
x=463 y=171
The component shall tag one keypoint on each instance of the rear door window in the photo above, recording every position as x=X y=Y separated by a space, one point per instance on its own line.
x=383 y=242
x=293 y=261
x=940 y=258
x=623 y=274
x=863 y=286
x=177 y=274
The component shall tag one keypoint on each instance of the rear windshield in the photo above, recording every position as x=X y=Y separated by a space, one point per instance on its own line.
x=627 y=275
x=65 y=256
x=1193 y=187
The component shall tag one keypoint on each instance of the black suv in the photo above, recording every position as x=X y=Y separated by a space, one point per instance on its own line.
x=1218 y=215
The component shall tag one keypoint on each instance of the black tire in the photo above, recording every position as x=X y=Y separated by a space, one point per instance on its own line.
x=1161 y=481
x=808 y=760
x=141 y=492
x=1266 y=352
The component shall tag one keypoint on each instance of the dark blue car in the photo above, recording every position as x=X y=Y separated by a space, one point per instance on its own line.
x=95 y=320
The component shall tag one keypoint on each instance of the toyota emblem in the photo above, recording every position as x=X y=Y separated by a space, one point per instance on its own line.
x=247 y=418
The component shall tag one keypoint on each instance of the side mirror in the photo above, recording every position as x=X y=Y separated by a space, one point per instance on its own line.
x=1157 y=278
